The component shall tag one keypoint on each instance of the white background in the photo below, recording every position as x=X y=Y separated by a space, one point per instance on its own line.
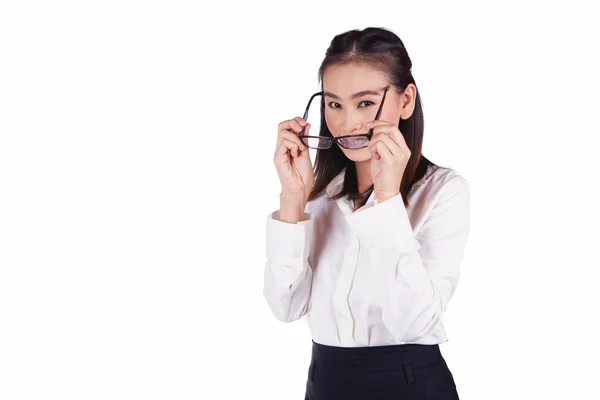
x=136 y=175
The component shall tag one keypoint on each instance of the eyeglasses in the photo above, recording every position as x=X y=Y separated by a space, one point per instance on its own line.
x=351 y=142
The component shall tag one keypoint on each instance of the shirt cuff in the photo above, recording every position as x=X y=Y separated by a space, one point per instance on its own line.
x=385 y=225
x=286 y=241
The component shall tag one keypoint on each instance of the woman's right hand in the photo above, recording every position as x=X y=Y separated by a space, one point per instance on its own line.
x=292 y=159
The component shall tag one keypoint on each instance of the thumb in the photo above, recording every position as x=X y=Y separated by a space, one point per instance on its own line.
x=307 y=129
x=305 y=152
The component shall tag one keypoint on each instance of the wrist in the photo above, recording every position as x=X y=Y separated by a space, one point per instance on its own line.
x=292 y=197
x=383 y=196
x=291 y=207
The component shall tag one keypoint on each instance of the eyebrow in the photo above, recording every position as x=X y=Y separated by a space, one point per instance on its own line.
x=355 y=95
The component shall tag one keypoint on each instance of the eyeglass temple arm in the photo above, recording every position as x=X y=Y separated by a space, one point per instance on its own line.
x=378 y=111
x=306 y=110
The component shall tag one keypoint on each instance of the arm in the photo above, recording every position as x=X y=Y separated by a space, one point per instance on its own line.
x=417 y=276
x=288 y=275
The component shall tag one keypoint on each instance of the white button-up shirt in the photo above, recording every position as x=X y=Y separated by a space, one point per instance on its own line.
x=383 y=274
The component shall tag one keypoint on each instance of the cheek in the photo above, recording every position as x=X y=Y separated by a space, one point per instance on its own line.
x=333 y=123
x=391 y=116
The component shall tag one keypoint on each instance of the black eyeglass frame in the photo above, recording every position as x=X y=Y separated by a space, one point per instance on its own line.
x=337 y=140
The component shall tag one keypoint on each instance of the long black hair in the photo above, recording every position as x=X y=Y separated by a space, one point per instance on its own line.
x=383 y=50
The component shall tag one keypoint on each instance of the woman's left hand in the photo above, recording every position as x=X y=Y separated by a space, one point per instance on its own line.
x=389 y=157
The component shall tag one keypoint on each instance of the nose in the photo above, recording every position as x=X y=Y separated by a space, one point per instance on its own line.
x=352 y=123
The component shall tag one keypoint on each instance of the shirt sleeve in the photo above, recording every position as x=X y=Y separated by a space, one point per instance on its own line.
x=416 y=275
x=288 y=274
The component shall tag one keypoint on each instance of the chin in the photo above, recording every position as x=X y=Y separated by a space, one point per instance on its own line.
x=357 y=155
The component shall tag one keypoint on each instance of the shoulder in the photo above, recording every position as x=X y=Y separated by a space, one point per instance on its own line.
x=440 y=201
x=441 y=180
x=441 y=188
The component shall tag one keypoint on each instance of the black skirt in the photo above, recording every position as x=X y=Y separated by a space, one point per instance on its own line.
x=407 y=371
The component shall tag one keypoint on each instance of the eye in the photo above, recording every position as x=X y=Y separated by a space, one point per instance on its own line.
x=367 y=101
x=331 y=105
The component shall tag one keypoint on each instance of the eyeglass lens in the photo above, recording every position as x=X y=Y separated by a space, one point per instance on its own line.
x=314 y=141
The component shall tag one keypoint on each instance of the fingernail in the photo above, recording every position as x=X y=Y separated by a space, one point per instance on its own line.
x=370 y=124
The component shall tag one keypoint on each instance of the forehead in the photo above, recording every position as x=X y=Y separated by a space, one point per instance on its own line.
x=347 y=79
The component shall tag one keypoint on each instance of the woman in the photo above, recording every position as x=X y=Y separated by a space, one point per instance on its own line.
x=367 y=244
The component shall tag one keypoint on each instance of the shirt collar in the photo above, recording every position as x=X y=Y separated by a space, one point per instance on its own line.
x=336 y=183
x=345 y=204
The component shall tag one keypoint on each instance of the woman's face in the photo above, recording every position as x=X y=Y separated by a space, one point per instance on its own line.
x=352 y=95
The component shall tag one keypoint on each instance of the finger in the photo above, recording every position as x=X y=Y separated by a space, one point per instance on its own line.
x=383 y=129
x=293 y=147
x=304 y=142
x=398 y=137
x=393 y=132
x=378 y=122
x=304 y=147
x=285 y=151
x=294 y=125
x=383 y=150
x=289 y=123
x=307 y=129
x=285 y=134
x=392 y=146
x=287 y=146
x=300 y=121
x=305 y=126
x=293 y=136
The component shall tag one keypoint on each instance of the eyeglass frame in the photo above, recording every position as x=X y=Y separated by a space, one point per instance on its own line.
x=332 y=141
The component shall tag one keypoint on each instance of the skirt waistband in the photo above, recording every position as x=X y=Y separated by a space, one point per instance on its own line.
x=418 y=355
x=378 y=372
